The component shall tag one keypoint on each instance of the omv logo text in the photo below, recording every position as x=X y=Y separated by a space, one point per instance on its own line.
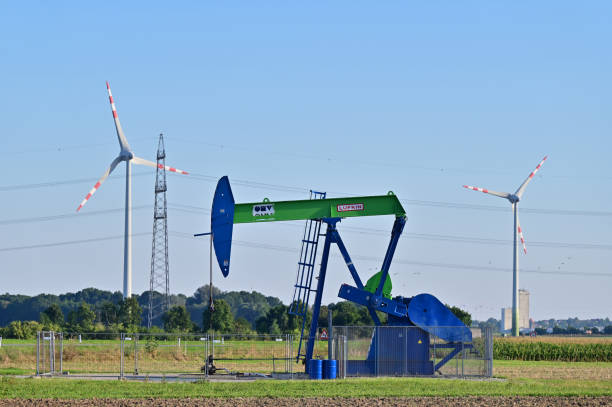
x=263 y=210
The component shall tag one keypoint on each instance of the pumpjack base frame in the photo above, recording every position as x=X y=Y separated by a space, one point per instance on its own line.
x=397 y=351
x=332 y=236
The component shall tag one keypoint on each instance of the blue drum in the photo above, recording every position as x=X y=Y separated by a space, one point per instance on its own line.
x=315 y=369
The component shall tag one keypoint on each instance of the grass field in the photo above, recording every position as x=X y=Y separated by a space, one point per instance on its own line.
x=518 y=378
x=550 y=379
x=382 y=387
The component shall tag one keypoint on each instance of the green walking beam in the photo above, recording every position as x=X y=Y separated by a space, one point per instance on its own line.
x=268 y=211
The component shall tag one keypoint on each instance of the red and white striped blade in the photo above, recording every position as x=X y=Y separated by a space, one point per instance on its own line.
x=520 y=233
x=142 y=161
x=521 y=189
x=488 y=191
x=122 y=140
x=100 y=181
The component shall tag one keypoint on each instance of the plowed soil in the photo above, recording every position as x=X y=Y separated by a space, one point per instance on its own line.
x=324 y=402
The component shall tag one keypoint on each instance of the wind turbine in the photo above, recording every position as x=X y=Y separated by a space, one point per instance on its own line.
x=514 y=200
x=125 y=154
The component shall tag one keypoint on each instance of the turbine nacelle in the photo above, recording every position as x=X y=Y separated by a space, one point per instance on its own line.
x=125 y=155
x=513 y=198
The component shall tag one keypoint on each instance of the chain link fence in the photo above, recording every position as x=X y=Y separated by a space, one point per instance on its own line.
x=91 y=353
x=17 y=356
x=411 y=351
x=360 y=351
x=254 y=353
x=137 y=354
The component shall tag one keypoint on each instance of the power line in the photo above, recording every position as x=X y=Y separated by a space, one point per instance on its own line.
x=67 y=243
x=479 y=240
x=350 y=229
x=65 y=182
x=294 y=189
x=61 y=149
x=317 y=157
x=327 y=159
x=67 y=215
x=437 y=237
x=266 y=246
x=455 y=205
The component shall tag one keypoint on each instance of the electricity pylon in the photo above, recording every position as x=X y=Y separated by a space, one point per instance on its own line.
x=159 y=287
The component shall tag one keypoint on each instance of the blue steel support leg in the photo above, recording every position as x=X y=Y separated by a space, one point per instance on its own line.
x=353 y=270
x=312 y=335
x=452 y=354
x=398 y=227
x=347 y=258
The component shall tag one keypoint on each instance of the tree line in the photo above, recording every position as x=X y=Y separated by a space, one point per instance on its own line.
x=240 y=312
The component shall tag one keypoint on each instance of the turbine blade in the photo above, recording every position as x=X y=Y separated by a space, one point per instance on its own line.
x=520 y=233
x=488 y=191
x=521 y=189
x=142 y=161
x=122 y=140
x=100 y=181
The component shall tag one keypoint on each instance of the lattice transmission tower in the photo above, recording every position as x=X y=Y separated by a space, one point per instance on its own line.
x=160 y=280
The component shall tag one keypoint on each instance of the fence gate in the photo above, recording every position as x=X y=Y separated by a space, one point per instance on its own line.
x=49 y=350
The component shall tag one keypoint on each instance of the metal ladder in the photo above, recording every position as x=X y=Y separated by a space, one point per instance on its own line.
x=306 y=269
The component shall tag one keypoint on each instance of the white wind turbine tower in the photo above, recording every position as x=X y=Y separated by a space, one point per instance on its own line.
x=514 y=200
x=125 y=154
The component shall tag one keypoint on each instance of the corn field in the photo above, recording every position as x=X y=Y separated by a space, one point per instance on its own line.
x=561 y=351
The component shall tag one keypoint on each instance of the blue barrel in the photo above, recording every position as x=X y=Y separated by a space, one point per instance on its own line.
x=330 y=369
x=315 y=369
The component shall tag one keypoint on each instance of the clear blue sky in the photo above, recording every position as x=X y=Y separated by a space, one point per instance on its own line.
x=347 y=97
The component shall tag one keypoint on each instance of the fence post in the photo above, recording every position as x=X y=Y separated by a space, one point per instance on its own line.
x=61 y=336
x=330 y=335
x=462 y=359
x=121 y=347
x=37 y=353
x=377 y=357
x=456 y=366
x=135 y=336
x=51 y=353
x=340 y=350
x=489 y=351
x=433 y=337
x=289 y=354
x=206 y=345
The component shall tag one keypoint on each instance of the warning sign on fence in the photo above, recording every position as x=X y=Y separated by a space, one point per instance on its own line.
x=324 y=335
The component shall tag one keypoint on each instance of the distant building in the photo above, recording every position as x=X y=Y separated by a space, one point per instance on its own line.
x=524 y=321
x=506 y=319
x=523 y=309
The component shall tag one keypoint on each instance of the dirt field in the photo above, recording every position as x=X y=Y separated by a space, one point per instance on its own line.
x=327 y=402
x=553 y=370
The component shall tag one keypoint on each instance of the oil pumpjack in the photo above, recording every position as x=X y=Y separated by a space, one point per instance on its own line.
x=424 y=311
